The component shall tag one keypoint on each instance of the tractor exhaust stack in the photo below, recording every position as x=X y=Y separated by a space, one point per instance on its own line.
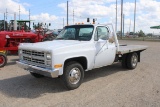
x=15 y=22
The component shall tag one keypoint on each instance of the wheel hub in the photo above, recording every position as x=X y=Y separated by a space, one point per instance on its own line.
x=1 y=59
x=74 y=76
x=134 y=60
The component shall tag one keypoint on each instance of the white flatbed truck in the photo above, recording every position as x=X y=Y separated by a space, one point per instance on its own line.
x=76 y=49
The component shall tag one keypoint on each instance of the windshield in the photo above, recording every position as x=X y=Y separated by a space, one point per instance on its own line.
x=76 y=32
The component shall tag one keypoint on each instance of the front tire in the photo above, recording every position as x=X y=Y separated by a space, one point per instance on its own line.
x=73 y=75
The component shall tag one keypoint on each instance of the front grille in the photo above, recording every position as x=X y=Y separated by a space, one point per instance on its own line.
x=27 y=59
x=34 y=57
x=33 y=53
x=33 y=60
x=26 y=52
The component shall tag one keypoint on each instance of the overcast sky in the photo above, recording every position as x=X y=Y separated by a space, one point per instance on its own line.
x=53 y=11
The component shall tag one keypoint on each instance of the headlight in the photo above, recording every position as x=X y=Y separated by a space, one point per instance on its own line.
x=48 y=56
x=20 y=51
x=20 y=54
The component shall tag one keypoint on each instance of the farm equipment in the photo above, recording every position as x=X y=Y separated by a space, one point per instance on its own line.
x=10 y=40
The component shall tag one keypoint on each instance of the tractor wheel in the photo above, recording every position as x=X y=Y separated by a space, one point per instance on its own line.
x=3 y=60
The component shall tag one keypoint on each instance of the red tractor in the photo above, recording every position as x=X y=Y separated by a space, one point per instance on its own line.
x=9 y=41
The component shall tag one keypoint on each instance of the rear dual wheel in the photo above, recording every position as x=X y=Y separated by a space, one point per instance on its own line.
x=3 y=60
x=130 y=61
x=124 y=61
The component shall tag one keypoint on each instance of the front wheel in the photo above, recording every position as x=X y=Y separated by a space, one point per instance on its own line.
x=73 y=75
x=3 y=60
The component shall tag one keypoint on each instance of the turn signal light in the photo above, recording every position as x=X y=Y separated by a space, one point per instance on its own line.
x=58 y=66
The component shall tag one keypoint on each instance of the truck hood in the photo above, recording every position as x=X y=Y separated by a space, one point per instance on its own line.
x=51 y=45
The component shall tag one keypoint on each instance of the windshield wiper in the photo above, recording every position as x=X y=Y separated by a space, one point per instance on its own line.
x=70 y=39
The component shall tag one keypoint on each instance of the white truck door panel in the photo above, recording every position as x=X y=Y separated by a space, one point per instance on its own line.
x=105 y=52
x=111 y=52
x=105 y=55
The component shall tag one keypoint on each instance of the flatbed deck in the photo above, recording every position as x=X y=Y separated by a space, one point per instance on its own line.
x=123 y=49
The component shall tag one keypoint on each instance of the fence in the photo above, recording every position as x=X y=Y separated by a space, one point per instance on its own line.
x=145 y=38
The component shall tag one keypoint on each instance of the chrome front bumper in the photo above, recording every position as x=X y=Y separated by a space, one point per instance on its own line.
x=43 y=71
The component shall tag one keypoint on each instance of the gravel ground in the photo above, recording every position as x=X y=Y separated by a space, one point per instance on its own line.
x=110 y=86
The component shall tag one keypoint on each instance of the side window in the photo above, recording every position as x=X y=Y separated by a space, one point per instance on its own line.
x=101 y=33
x=85 y=33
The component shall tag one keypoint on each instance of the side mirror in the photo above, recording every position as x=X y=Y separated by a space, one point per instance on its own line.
x=111 y=38
x=100 y=40
x=104 y=37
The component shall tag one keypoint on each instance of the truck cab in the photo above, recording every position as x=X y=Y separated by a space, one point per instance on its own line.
x=77 y=48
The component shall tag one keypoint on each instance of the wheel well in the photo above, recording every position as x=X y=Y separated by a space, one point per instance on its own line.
x=81 y=60
x=138 y=53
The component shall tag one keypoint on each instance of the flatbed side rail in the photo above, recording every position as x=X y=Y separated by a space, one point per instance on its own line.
x=130 y=48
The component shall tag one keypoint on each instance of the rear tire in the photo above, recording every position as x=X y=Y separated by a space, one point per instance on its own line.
x=36 y=75
x=73 y=75
x=132 y=60
x=3 y=60
x=124 y=61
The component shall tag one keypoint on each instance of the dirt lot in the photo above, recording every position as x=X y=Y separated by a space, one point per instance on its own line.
x=110 y=86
